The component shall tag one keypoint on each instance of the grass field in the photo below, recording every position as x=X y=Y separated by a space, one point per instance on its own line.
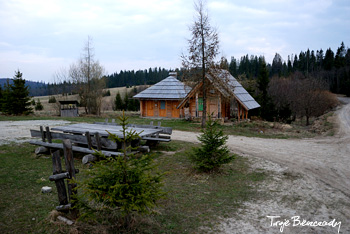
x=193 y=204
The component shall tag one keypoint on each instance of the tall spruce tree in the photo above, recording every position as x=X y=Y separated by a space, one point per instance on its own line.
x=202 y=50
x=16 y=100
x=267 y=107
x=20 y=95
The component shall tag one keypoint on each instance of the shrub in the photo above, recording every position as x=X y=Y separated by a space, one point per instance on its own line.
x=106 y=93
x=213 y=152
x=52 y=99
x=38 y=106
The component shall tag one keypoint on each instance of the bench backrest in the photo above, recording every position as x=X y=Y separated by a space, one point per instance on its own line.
x=80 y=139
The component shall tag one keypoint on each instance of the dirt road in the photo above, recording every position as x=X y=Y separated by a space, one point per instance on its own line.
x=327 y=159
x=18 y=131
x=311 y=179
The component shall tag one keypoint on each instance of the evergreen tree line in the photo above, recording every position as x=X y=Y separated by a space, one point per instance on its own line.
x=140 y=77
x=333 y=68
x=14 y=97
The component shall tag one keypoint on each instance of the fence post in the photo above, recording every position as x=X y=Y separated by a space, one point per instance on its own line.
x=69 y=160
x=57 y=169
x=88 y=139
x=42 y=133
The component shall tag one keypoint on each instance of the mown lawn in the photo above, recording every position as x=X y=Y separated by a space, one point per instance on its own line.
x=193 y=204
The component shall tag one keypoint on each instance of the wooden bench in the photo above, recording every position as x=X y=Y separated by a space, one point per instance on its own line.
x=95 y=141
x=74 y=148
x=164 y=130
x=150 y=140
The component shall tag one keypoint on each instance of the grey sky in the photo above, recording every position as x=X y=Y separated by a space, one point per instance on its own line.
x=41 y=36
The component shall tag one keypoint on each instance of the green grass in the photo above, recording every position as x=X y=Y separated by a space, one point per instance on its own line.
x=196 y=199
x=22 y=205
x=193 y=200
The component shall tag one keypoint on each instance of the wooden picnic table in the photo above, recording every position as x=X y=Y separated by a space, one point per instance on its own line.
x=82 y=128
x=88 y=136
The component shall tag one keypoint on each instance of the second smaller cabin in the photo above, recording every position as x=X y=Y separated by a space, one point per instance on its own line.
x=69 y=108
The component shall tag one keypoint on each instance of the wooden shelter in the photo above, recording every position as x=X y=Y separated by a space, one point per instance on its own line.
x=226 y=97
x=69 y=108
x=163 y=98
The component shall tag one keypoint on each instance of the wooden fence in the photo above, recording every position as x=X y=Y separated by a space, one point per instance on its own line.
x=66 y=200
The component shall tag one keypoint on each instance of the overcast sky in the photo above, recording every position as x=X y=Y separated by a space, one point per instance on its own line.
x=39 y=37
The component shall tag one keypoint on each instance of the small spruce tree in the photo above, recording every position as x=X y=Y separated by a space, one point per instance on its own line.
x=126 y=105
x=213 y=152
x=118 y=102
x=130 y=183
x=38 y=105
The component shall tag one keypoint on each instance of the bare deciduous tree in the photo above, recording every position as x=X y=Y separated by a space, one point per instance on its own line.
x=60 y=89
x=312 y=98
x=202 y=49
x=87 y=75
x=304 y=96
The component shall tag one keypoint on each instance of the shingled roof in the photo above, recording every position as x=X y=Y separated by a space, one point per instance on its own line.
x=229 y=86
x=168 y=89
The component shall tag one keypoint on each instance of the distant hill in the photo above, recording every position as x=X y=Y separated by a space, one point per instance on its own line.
x=35 y=88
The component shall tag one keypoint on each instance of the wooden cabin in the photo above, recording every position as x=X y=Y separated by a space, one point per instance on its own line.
x=226 y=98
x=170 y=98
x=163 y=98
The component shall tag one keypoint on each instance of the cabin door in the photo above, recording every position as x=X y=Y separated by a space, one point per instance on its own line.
x=150 y=108
x=175 y=113
x=162 y=108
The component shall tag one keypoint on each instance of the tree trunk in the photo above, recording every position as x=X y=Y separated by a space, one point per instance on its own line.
x=307 y=120
x=204 y=114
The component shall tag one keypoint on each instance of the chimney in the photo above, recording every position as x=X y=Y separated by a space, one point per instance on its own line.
x=174 y=74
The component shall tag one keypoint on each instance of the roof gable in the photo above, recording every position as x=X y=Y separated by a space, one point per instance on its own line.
x=228 y=86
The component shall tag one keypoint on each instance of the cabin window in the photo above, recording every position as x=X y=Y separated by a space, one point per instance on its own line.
x=200 y=104
x=162 y=105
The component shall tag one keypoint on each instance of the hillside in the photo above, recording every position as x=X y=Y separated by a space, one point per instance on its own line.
x=35 y=88
x=52 y=109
